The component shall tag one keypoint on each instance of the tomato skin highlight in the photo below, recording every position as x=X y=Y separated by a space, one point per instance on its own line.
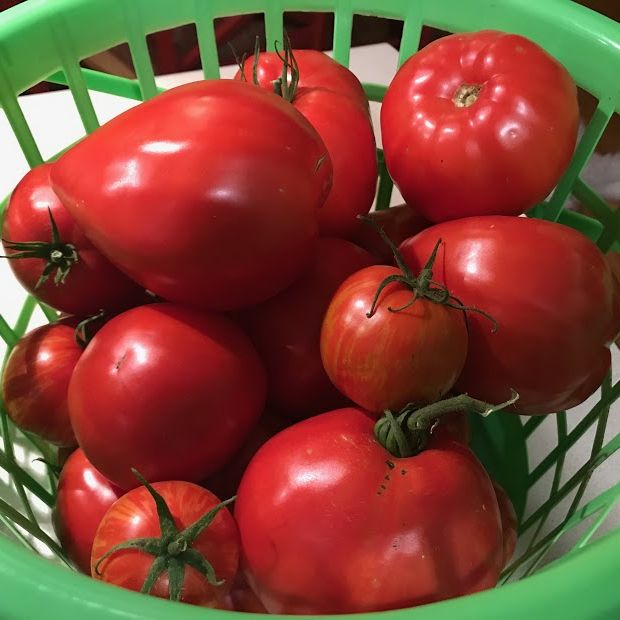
x=158 y=389
x=36 y=381
x=93 y=283
x=393 y=358
x=286 y=331
x=82 y=500
x=499 y=151
x=207 y=195
x=552 y=294
x=330 y=522
x=134 y=516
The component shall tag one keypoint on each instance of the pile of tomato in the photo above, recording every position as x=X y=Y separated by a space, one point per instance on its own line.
x=266 y=387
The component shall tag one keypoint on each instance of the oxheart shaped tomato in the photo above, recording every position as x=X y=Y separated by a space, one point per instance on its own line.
x=331 y=522
x=206 y=195
x=79 y=279
x=168 y=390
x=479 y=124
x=553 y=295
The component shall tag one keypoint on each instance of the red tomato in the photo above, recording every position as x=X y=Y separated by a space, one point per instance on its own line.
x=286 y=331
x=83 y=497
x=346 y=130
x=134 y=515
x=225 y=482
x=207 y=194
x=91 y=282
x=331 y=522
x=36 y=380
x=242 y=598
x=508 y=518
x=316 y=70
x=168 y=390
x=392 y=358
x=552 y=294
x=477 y=124
x=399 y=223
x=347 y=133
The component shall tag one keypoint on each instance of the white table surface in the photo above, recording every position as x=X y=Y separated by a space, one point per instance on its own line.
x=55 y=124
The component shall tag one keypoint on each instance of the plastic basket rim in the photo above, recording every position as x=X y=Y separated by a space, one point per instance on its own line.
x=599 y=560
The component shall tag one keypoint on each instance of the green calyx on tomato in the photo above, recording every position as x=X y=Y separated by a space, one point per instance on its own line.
x=286 y=85
x=407 y=433
x=60 y=256
x=173 y=550
x=423 y=286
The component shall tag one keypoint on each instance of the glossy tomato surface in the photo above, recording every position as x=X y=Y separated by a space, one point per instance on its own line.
x=170 y=391
x=83 y=497
x=331 y=522
x=329 y=98
x=316 y=70
x=392 y=358
x=135 y=516
x=478 y=124
x=286 y=331
x=206 y=194
x=36 y=379
x=347 y=132
x=552 y=294
x=92 y=284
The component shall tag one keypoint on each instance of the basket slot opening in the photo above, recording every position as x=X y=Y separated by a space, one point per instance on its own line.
x=237 y=36
x=310 y=30
x=599 y=457
x=575 y=434
x=369 y=30
x=174 y=50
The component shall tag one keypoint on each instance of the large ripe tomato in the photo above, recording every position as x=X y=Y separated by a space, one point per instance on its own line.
x=286 y=331
x=170 y=391
x=207 y=194
x=316 y=70
x=508 y=517
x=80 y=280
x=391 y=358
x=477 y=124
x=36 y=380
x=554 y=299
x=398 y=223
x=83 y=497
x=134 y=515
x=331 y=522
x=345 y=127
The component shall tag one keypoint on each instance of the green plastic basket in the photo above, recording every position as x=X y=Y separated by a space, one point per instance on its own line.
x=46 y=39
